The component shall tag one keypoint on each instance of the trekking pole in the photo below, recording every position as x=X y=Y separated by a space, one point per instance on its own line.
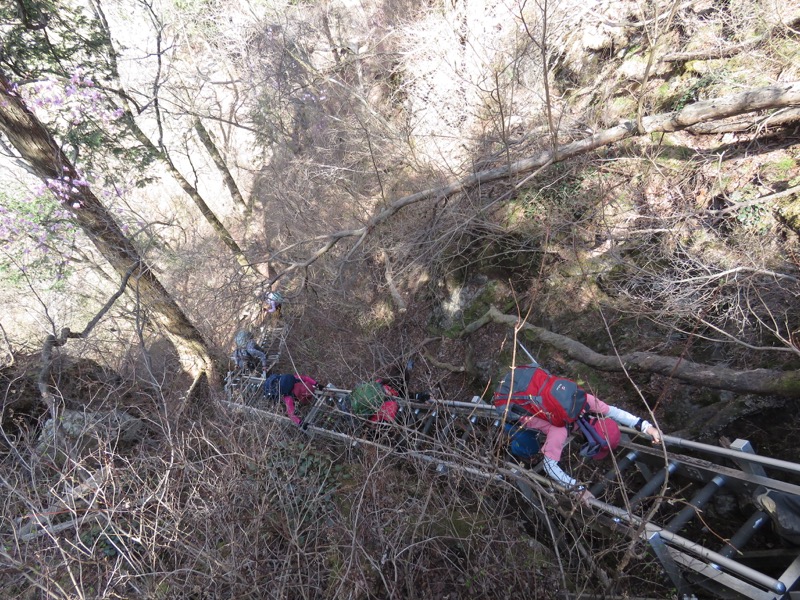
x=524 y=349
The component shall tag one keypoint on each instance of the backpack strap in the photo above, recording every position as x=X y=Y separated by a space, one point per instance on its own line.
x=547 y=381
x=594 y=441
x=513 y=412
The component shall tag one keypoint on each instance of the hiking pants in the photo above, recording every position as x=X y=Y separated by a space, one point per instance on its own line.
x=556 y=437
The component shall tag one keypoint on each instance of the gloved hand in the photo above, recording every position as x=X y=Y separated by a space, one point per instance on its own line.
x=648 y=428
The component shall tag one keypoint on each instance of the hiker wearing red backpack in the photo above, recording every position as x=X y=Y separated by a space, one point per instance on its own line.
x=531 y=397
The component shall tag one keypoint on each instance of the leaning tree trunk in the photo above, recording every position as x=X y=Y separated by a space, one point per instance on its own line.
x=192 y=192
x=222 y=167
x=38 y=148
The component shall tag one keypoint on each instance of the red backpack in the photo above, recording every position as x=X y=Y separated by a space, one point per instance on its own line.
x=537 y=393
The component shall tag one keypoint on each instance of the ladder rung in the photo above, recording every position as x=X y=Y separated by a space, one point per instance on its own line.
x=649 y=488
x=756 y=521
x=621 y=466
x=695 y=505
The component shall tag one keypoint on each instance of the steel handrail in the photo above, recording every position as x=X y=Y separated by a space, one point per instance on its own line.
x=737 y=455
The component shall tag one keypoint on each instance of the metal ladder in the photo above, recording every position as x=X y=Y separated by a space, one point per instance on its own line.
x=248 y=388
x=471 y=433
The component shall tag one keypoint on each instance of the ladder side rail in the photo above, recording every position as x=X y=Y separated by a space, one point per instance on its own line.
x=736 y=455
x=745 y=465
x=715 y=579
x=710 y=557
x=501 y=472
x=703 y=470
x=667 y=560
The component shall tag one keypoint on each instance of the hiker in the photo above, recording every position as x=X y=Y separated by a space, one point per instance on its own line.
x=271 y=305
x=291 y=388
x=248 y=353
x=529 y=396
x=374 y=400
x=398 y=379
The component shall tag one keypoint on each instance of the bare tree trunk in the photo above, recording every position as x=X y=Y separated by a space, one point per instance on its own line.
x=211 y=147
x=37 y=146
x=754 y=381
x=192 y=192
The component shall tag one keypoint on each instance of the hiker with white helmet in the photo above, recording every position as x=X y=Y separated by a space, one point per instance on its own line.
x=272 y=302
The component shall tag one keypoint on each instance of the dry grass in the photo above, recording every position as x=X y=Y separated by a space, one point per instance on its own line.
x=225 y=507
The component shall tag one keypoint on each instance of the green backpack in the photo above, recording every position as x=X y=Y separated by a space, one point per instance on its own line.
x=367 y=398
x=242 y=337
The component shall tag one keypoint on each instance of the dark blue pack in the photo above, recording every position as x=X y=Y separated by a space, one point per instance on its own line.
x=276 y=386
x=524 y=443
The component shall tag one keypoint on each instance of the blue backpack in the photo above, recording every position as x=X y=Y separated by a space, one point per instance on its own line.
x=277 y=386
x=524 y=443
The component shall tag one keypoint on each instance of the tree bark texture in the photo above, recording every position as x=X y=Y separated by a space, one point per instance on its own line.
x=754 y=381
x=37 y=146
x=779 y=118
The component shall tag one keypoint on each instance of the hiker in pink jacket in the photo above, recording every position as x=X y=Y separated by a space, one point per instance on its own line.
x=302 y=392
x=290 y=388
x=531 y=397
x=556 y=437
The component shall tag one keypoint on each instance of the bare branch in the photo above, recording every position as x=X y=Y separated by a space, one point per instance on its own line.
x=722 y=274
x=398 y=299
x=728 y=51
x=51 y=341
x=755 y=201
x=774 y=96
x=754 y=381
